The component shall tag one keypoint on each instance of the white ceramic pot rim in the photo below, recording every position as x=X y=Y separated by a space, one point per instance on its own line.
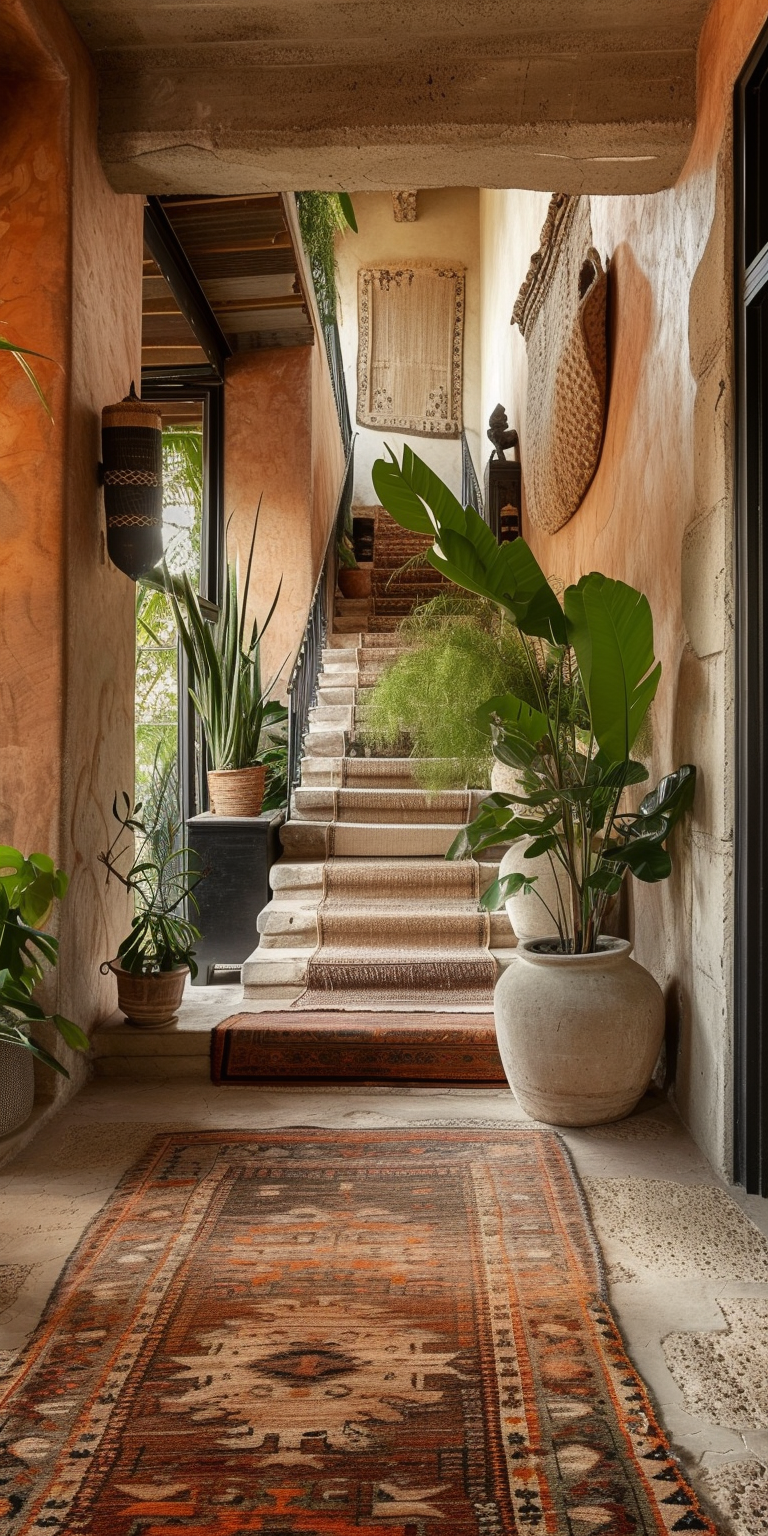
x=610 y=952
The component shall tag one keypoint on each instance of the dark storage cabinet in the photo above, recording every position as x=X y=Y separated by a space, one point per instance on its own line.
x=236 y=853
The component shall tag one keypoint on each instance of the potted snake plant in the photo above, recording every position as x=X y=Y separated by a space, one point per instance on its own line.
x=226 y=689
x=579 y=1023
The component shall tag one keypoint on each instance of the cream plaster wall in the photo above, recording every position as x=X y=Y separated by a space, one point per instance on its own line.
x=446 y=229
x=659 y=514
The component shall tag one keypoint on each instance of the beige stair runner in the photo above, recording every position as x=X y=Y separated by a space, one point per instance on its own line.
x=367 y=913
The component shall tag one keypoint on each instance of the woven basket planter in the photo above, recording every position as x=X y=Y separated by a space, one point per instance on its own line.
x=17 y=1087
x=150 y=1002
x=354 y=583
x=237 y=791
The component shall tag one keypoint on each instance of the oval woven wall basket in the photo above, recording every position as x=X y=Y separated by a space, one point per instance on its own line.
x=562 y=312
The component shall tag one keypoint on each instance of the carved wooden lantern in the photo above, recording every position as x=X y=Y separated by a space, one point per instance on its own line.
x=132 y=473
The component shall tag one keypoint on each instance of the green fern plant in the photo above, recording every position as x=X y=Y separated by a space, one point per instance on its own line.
x=426 y=702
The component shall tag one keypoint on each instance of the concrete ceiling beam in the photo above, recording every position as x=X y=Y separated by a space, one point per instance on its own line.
x=261 y=97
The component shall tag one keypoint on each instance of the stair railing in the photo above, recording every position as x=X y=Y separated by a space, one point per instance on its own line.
x=471 y=493
x=302 y=688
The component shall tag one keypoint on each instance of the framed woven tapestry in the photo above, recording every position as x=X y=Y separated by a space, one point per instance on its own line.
x=409 y=358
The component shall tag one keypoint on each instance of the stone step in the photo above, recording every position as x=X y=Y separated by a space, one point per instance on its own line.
x=284 y=924
x=398 y=807
x=394 y=772
x=331 y=693
x=301 y=880
x=331 y=714
x=278 y=973
x=321 y=742
x=357 y=840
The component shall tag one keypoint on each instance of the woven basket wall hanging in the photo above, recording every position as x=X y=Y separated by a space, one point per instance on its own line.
x=562 y=312
x=409 y=356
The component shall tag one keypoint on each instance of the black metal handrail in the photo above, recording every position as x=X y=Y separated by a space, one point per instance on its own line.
x=302 y=688
x=471 y=493
x=338 y=382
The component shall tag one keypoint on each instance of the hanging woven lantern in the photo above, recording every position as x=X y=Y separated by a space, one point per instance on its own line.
x=132 y=451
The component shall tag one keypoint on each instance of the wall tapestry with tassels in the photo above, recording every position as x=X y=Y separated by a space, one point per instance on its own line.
x=409 y=357
x=562 y=312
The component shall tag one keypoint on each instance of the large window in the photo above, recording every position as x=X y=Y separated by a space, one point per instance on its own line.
x=751 y=830
x=169 y=748
x=157 y=669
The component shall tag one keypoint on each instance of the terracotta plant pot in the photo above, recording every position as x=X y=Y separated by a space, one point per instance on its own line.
x=237 y=791
x=354 y=583
x=17 y=1087
x=578 y=1035
x=150 y=1002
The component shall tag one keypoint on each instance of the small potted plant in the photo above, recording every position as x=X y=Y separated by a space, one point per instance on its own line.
x=354 y=580
x=579 y=1023
x=226 y=690
x=28 y=888
x=158 y=954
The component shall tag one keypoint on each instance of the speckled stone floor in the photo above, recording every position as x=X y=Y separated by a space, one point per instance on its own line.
x=686 y=1258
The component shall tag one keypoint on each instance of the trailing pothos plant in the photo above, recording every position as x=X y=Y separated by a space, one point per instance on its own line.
x=28 y=888
x=593 y=674
x=161 y=879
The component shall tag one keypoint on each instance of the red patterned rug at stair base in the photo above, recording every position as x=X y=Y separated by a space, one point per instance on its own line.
x=308 y=1332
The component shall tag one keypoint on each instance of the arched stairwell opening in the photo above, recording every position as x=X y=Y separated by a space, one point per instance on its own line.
x=375 y=959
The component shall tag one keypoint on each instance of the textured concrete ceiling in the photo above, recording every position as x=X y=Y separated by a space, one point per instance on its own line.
x=229 y=96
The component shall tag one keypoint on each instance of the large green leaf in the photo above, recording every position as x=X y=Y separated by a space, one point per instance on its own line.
x=611 y=630
x=672 y=797
x=509 y=712
x=465 y=551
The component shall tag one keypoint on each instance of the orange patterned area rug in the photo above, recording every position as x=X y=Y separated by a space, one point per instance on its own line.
x=313 y=1332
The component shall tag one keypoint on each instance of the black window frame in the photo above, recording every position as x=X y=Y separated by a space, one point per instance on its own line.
x=750 y=980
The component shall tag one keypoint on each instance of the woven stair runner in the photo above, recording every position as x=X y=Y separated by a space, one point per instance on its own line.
x=401 y=931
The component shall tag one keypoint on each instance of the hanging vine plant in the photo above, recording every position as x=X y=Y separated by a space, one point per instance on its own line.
x=322 y=215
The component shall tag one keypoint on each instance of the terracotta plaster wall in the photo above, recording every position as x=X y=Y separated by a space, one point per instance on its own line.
x=659 y=514
x=70 y=284
x=283 y=444
x=446 y=229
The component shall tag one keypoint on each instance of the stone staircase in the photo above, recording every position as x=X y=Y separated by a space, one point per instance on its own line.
x=362 y=820
x=335 y=786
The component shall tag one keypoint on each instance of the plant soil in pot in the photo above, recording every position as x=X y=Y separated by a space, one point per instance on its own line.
x=355 y=583
x=150 y=1002
x=578 y=1035
x=237 y=791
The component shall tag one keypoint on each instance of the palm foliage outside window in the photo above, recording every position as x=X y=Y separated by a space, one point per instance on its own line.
x=156 y=697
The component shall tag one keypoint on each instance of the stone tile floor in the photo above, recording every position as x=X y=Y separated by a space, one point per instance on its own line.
x=686 y=1259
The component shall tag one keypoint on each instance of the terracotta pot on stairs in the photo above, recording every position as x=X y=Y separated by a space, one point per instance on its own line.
x=355 y=582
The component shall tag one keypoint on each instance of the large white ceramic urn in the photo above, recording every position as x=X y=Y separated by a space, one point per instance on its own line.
x=578 y=1035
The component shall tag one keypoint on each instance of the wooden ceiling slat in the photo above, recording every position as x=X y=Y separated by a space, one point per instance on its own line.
x=265 y=199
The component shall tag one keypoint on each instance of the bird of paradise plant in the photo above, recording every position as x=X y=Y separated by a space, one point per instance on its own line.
x=590 y=658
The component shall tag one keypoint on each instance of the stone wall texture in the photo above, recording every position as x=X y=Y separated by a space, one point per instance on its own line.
x=660 y=515
x=70 y=285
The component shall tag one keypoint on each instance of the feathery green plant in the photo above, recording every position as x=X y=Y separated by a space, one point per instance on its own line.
x=463 y=649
